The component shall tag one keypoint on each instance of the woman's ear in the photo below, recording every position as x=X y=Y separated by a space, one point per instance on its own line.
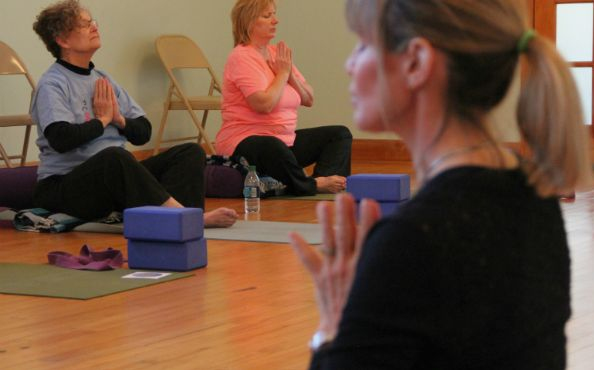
x=418 y=62
x=61 y=41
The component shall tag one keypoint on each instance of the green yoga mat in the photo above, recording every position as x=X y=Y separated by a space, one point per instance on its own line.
x=58 y=282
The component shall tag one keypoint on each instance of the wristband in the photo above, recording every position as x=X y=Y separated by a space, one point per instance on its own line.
x=319 y=339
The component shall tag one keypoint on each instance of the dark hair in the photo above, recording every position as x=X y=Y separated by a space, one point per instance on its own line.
x=58 y=19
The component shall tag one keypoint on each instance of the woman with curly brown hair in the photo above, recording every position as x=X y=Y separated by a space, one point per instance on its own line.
x=84 y=118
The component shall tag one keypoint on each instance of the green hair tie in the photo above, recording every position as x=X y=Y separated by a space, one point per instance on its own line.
x=525 y=39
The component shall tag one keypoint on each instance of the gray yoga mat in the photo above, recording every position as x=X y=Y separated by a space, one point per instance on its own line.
x=317 y=197
x=91 y=227
x=7 y=215
x=98 y=227
x=266 y=231
x=249 y=231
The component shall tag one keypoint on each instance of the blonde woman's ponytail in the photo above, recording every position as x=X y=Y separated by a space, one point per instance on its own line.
x=551 y=120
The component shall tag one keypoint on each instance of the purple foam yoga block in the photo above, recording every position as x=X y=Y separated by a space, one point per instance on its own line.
x=387 y=208
x=163 y=223
x=381 y=187
x=168 y=256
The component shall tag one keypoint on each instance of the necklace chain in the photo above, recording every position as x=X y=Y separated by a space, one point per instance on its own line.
x=452 y=153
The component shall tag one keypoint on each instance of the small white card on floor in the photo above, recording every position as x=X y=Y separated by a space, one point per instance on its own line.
x=146 y=275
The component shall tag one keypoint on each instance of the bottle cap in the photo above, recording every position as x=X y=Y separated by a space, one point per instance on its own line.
x=252 y=168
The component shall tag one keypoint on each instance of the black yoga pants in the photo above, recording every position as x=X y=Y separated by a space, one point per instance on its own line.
x=113 y=180
x=329 y=147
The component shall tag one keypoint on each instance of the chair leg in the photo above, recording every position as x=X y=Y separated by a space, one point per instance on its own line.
x=161 y=128
x=201 y=131
x=164 y=118
x=25 y=145
x=5 y=157
x=204 y=117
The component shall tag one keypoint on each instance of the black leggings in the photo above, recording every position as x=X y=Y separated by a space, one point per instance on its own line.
x=329 y=147
x=113 y=180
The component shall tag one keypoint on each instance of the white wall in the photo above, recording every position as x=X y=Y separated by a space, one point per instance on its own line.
x=314 y=29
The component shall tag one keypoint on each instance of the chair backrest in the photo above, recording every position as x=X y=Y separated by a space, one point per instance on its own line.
x=179 y=51
x=11 y=64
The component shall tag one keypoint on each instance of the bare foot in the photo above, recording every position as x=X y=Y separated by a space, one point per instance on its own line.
x=220 y=217
x=330 y=184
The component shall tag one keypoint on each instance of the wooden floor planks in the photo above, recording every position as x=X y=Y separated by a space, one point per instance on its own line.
x=251 y=308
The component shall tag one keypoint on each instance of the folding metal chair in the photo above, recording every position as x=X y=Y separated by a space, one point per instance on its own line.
x=11 y=64
x=180 y=52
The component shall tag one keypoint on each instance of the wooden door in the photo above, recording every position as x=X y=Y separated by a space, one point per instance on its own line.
x=569 y=23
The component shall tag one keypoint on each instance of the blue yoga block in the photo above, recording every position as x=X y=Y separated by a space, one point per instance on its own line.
x=381 y=187
x=387 y=208
x=390 y=207
x=163 y=223
x=168 y=256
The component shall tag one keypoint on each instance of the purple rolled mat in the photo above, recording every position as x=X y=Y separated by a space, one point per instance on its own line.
x=16 y=187
x=223 y=182
x=17 y=184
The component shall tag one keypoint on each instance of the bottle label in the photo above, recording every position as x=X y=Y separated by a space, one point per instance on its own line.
x=250 y=192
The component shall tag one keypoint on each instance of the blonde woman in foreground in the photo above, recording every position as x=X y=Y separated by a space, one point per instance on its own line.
x=473 y=272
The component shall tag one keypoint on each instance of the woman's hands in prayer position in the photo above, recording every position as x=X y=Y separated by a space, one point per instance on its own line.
x=283 y=62
x=105 y=104
x=333 y=265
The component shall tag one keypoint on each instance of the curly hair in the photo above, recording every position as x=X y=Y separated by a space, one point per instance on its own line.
x=56 y=20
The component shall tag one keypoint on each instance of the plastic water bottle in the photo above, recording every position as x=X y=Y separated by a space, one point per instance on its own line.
x=251 y=191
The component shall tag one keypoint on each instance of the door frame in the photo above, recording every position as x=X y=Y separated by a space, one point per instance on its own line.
x=544 y=16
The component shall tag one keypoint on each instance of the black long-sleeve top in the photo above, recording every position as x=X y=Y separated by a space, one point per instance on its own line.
x=472 y=273
x=64 y=136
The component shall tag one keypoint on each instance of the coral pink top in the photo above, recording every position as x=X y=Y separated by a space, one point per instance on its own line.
x=246 y=72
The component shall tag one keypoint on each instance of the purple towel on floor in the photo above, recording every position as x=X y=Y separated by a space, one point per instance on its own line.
x=109 y=259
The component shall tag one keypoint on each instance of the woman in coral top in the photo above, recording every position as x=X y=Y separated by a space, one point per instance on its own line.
x=262 y=90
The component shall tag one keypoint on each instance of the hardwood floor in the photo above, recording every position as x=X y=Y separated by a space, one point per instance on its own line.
x=251 y=308
x=579 y=222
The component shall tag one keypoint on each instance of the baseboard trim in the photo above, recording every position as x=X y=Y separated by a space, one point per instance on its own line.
x=364 y=150
x=368 y=150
